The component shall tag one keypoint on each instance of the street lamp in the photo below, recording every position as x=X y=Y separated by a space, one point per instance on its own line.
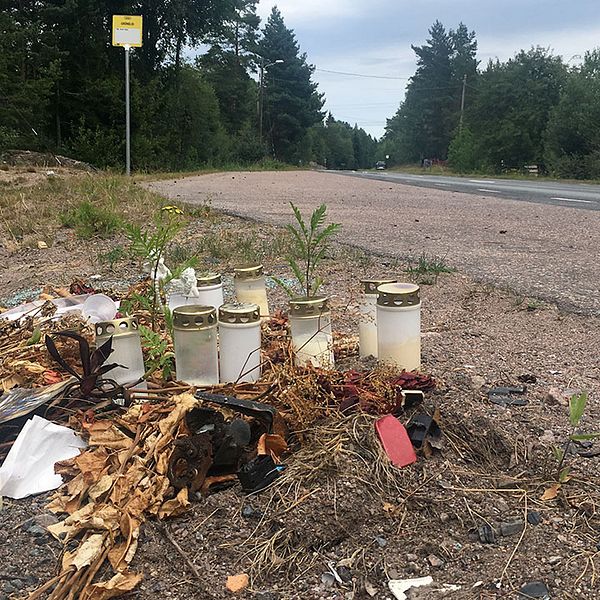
x=262 y=68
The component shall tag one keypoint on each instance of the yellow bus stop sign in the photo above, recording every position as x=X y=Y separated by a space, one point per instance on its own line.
x=127 y=30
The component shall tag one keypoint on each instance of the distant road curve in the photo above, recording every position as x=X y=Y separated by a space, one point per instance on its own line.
x=574 y=195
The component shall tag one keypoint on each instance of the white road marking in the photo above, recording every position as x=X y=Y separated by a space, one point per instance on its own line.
x=572 y=200
x=489 y=191
x=481 y=181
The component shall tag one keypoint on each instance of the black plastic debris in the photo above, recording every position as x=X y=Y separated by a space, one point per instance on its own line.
x=534 y=517
x=535 y=589
x=508 y=395
x=486 y=534
x=423 y=428
x=511 y=528
x=259 y=473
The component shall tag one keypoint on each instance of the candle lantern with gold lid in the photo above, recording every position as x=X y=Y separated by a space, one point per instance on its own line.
x=195 y=340
x=239 y=342
x=399 y=325
x=367 y=326
x=210 y=290
x=250 y=287
x=127 y=349
x=312 y=339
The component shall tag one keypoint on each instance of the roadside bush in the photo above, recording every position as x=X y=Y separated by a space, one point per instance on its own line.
x=89 y=220
x=462 y=153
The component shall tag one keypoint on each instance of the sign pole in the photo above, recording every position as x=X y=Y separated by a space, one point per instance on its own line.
x=127 y=115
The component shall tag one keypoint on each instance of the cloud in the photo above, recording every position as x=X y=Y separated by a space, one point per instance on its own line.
x=301 y=11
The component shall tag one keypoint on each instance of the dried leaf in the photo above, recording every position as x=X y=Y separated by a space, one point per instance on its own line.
x=119 y=585
x=273 y=445
x=551 y=492
x=237 y=583
x=8 y=383
x=175 y=507
x=86 y=553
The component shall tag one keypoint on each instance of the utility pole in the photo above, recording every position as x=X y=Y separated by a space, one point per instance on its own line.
x=261 y=98
x=261 y=93
x=462 y=102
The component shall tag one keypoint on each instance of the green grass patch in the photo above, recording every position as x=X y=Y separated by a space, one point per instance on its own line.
x=426 y=269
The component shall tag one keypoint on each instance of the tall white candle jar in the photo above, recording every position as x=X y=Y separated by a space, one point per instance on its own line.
x=195 y=340
x=399 y=325
x=367 y=326
x=210 y=290
x=250 y=287
x=312 y=339
x=127 y=349
x=239 y=343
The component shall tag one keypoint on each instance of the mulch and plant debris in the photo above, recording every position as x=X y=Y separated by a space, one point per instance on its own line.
x=485 y=510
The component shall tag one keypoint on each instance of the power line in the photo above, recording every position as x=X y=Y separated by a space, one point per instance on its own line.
x=362 y=75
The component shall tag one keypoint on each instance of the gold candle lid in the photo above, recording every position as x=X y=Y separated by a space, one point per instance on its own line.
x=194 y=317
x=117 y=327
x=309 y=307
x=239 y=313
x=398 y=295
x=370 y=285
x=209 y=279
x=250 y=272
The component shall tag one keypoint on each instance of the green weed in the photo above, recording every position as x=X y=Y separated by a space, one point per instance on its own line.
x=90 y=220
x=426 y=269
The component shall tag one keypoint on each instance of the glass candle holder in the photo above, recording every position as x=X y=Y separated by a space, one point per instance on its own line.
x=127 y=349
x=210 y=290
x=399 y=325
x=250 y=288
x=239 y=343
x=312 y=339
x=367 y=326
x=195 y=340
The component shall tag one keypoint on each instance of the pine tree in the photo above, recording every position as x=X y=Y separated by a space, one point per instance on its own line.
x=292 y=103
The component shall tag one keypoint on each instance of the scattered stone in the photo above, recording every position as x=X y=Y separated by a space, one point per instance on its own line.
x=266 y=596
x=370 y=589
x=556 y=397
x=444 y=517
x=412 y=557
x=535 y=589
x=534 y=517
x=36 y=530
x=435 y=561
x=328 y=579
x=554 y=560
x=477 y=382
x=248 y=512
x=486 y=534
x=381 y=541
x=345 y=574
x=511 y=528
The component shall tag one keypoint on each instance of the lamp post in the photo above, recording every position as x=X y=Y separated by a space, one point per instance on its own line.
x=261 y=79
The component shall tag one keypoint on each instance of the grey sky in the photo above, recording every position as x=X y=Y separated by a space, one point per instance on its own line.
x=374 y=37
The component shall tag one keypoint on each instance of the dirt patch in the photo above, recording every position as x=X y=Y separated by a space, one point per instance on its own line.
x=336 y=508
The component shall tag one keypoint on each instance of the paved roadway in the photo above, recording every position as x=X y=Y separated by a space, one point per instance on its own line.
x=573 y=195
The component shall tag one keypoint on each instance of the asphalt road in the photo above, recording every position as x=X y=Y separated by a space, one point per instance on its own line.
x=573 y=195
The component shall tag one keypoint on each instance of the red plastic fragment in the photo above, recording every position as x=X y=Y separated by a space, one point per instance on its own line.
x=395 y=441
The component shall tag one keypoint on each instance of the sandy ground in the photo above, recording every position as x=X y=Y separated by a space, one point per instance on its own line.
x=546 y=251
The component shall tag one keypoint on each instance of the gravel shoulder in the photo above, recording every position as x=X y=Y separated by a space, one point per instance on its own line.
x=545 y=251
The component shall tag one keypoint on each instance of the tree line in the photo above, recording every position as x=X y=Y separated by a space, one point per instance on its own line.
x=62 y=87
x=533 y=109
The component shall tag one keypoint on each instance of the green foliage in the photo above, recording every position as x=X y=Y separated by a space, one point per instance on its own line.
x=292 y=103
x=423 y=125
x=572 y=137
x=577 y=406
x=310 y=242
x=426 y=269
x=156 y=353
x=91 y=220
x=462 y=153
x=113 y=256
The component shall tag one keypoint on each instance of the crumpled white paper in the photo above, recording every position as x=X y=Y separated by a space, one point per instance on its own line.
x=29 y=466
